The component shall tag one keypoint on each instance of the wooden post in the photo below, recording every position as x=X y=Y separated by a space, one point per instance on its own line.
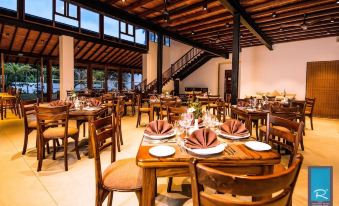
x=132 y=79
x=119 y=79
x=159 y=63
x=2 y=72
x=49 y=81
x=42 y=78
x=106 y=79
x=89 y=77
x=235 y=57
x=176 y=86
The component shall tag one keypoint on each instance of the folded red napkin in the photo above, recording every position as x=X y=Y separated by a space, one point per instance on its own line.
x=59 y=103
x=234 y=127
x=243 y=104
x=95 y=102
x=202 y=139
x=159 y=127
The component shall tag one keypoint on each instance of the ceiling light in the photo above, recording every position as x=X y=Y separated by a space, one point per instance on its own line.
x=241 y=36
x=328 y=32
x=274 y=15
x=42 y=41
x=7 y=34
x=192 y=33
x=332 y=20
x=227 y=25
x=123 y=0
x=204 y=7
x=166 y=18
x=281 y=29
x=78 y=47
x=337 y=2
x=20 y=54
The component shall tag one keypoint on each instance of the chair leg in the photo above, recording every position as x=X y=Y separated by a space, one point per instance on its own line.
x=302 y=142
x=120 y=132
x=41 y=149
x=311 y=118
x=25 y=143
x=84 y=129
x=110 y=199
x=54 y=148
x=47 y=146
x=65 y=154
x=138 y=119
x=138 y=193
x=118 y=141
x=169 y=184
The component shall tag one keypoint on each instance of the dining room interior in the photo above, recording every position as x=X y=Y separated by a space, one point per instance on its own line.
x=169 y=102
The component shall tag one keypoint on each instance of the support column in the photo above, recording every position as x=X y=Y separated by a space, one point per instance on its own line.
x=2 y=72
x=49 y=81
x=132 y=79
x=66 y=62
x=159 y=63
x=106 y=79
x=176 y=86
x=235 y=57
x=89 y=77
x=119 y=80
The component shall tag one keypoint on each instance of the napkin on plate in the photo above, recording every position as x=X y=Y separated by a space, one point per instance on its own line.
x=159 y=127
x=234 y=127
x=202 y=139
x=59 y=103
x=95 y=102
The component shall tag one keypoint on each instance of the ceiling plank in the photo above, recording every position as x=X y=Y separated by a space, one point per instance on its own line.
x=13 y=38
x=233 y=6
x=46 y=44
x=25 y=39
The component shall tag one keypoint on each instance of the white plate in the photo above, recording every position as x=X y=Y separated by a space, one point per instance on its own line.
x=162 y=151
x=209 y=151
x=90 y=108
x=234 y=137
x=258 y=146
x=160 y=136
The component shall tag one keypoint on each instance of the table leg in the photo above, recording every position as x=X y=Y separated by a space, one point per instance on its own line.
x=90 y=151
x=148 y=187
x=249 y=124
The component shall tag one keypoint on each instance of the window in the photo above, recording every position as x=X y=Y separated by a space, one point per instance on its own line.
x=126 y=31
x=153 y=37
x=98 y=79
x=66 y=13
x=137 y=79
x=80 y=79
x=39 y=8
x=89 y=20
x=111 y=27
x=126 y=81
x=140 y=36
x=167 y=41
x=112 y=81
x=55 y=82
x=9 y=4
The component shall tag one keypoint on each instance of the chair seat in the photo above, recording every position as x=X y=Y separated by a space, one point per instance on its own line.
x=123 y=175
x=283 y=129
x=278 y=168
x=129 y=103
x=58 y=132
x=212 y=105
x=32 y=124
x=307 y=112
x=144 y=109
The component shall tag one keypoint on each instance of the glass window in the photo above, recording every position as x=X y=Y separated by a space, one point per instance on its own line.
x=98 y=79
x=127 y=37
x=60 y=6
x=55 y=82
x=89 y=20
x=111 y=27
x=137 y=79
x=153 y=37
x=9 y=4
x=130 y=29
x=112 y=80
x=39 y=8
x=123 y=27
x=167 y=41
x=80 y=79
x=65 y=20
x=140 y=36
x=126 y=81
x=72 y=10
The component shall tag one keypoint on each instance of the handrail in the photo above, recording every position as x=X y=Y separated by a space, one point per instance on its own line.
x=174 y=68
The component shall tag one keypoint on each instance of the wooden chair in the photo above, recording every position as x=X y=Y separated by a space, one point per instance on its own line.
x=229 y=185
x=221 y=111
x=123 y=175
x=212 y=102
x=30 y=123
x=130 y=102
x=119 y=112
x=141 y=110
x=164 y=104
x=309 y=109
x=228 y=104
x=288 y=138
x=53 y=125
x=174 y=113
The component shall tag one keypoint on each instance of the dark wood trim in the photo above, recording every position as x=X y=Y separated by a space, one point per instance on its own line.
x=234 y=7
x=46 y=44
x=84 y=50
x=35 y=43
x=108 y=50
x=54 y=47
x=2 y=72
x=106 y=79
x=136 y=20
x=42 y=78
x=13 y=38
x=159 y=63
x=89 y=76
x=25 y=39
x=97 y=53
x=132 y=79
x=119 y=80
x=49 y=81
x=235 y=57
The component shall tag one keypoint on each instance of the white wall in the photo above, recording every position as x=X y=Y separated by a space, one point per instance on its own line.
x=265 y=70
x=285 y=66
x=66 y=60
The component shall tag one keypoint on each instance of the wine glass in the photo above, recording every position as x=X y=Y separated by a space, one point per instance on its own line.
x=186 y=120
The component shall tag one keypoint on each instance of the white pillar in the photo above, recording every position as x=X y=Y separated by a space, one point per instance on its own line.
x=66 y=65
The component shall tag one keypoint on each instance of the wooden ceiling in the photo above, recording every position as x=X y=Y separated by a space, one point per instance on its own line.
x=27 y=46
x=280 y=20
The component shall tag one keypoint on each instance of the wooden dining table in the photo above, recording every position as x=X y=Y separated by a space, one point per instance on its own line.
x=248 y=114
x=241 y=161
x=87 y=115
x=6 y=97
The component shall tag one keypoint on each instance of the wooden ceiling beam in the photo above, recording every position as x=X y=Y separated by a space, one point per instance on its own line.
x=160 y=8
x=25 y=39
x=136 y=60
x=112 y=53
x=98 y=52
x=136 y=20
x=81 y=49
x=270 y=5
x=46 y=44
x=85 y=49
x=234 y=6
x=92 y=51
x=136 y=4
x=127 y=57
x=53 y=48
x=114 y=56
x=13 y=38
x=35 y=42
x=106 y=55
x=120 y=57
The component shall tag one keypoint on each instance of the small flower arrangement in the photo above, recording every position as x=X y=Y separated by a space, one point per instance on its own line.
x=196 y=109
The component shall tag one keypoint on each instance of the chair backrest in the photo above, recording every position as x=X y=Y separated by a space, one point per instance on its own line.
x=310 y=105
x=28 y=109
x=139 y=101
x=301 y=106
x=221 y=110
x=52 y=117
x=255 y=186
x=102 y=129
x=107 y=97
x=174 y=113
x=289 y=138
x=228 y=98
x=284 y=112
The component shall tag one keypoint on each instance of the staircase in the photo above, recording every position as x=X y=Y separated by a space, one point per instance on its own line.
x=182 y=68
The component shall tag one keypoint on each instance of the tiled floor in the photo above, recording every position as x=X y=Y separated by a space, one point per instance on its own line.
x=20 y=184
